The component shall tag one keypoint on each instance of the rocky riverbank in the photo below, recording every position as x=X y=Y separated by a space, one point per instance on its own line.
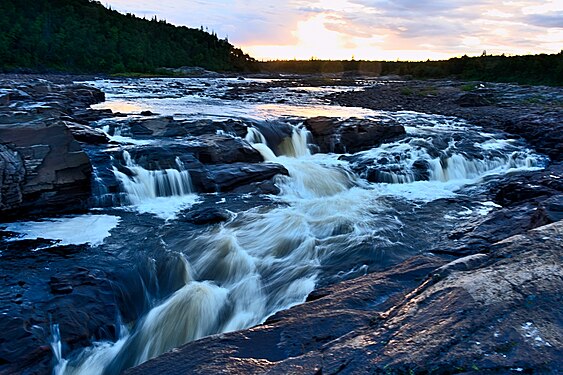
x=484 y=298
x=534 y=113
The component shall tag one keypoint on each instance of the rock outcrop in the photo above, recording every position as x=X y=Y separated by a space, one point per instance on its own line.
x=169 y=127
x=43 y=169
x=56 y=174
x=351 y=135
x=492 y=313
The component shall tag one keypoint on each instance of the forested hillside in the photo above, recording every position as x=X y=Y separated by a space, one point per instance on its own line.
x=84 y=36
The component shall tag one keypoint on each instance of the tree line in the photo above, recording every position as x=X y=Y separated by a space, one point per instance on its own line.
x=542 y=69
x=84 y=36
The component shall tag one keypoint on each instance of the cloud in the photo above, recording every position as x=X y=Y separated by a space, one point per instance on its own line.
x=546 y=20
x=371 y=28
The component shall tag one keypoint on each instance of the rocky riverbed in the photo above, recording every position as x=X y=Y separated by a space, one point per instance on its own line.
x=407 y=276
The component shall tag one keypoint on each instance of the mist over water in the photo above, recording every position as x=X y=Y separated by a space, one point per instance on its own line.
x=336 y=217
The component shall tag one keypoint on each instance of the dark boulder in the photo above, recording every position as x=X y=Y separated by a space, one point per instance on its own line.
x=211 y=149
x=81 y=303
x=522 y=187
x=206 y=216
x=167 y=126
x=229 y=177
x=219 y=149
x=57 y=171
x=87 y=134
x=201 y=127
x=275 y=133
x=351 y=135
x=544 y=132
x=157 y=126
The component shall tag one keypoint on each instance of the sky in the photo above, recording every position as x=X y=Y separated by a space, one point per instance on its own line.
x=367 y=29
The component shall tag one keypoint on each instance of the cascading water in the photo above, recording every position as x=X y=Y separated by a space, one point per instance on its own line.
x=255 y=265
x=329 y=223
x=146 y=184
x=417 y=159
x=147 y=190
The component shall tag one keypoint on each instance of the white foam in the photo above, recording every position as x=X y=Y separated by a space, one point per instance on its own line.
x=165 y=208
x=78 y=230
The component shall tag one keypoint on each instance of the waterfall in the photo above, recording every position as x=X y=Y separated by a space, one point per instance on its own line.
x=160 y=192
x=460 y=167
x=56 y=347
x=147 y=184
x=311 y=176
x=410 y=161
x=254 y=136
x=101 y=195
x=294 y=145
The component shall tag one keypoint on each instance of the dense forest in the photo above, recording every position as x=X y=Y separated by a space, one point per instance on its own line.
x=529 y=69
x=84 y=36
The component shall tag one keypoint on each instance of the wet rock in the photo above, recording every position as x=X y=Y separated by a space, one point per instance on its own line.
x=82 y=304
x=553 y=208
x=229 y=177
x=87 y=134
x=276 y=134
x=57 y=171
x=59 y=287
x=207 y=149
x=167 y=126
x=24 y=348
x=12 y=176
x=158 y=126
x=351 y=135
x=487 y=314
x=262 y=187
x=218 y=149
x=230 y=126
x=528 y=186
x=207 y=215
x=544 y=131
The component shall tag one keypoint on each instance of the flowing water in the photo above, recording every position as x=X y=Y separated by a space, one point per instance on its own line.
x=337 y=216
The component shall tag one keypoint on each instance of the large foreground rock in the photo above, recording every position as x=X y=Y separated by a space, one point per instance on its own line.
x=42 y=168
x=486 y=313
x=331 y=134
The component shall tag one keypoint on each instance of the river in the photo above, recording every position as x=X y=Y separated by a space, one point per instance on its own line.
x=337 y=216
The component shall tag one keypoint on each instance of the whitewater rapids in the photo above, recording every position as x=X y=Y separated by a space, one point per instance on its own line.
x=265 y=260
